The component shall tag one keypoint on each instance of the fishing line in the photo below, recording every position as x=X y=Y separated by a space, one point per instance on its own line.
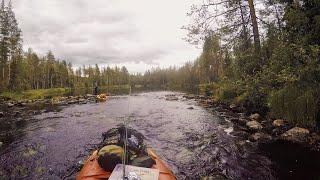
x=125 y=158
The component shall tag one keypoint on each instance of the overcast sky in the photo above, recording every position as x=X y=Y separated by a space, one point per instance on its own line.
x=137 y=33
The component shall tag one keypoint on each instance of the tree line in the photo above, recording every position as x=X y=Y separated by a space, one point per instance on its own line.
x=27 y=70
x=261 y=55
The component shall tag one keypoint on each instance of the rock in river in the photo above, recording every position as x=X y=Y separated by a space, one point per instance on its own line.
x=1 y=114
x=278 y=123
x=295 y=134
x=239 y=121
x=259 y=137
x=254 y=125
x=10 y=104
x=255 y=117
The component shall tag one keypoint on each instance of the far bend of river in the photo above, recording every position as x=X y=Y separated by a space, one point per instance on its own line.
x=193 y=142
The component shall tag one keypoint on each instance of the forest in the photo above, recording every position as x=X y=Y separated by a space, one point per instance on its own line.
x=260 y=55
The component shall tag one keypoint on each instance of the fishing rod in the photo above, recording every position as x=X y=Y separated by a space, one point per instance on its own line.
x=124 y=177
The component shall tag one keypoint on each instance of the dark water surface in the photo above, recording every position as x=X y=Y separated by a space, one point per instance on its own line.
x=193 y=142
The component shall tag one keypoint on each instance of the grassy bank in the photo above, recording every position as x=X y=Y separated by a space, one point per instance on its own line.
x=297 y=105
x=58 y=92
x=36 y=94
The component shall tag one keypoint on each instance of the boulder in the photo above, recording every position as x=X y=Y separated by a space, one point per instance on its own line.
x=189 y=96
x=1 y=144
x=90 y=95
x=232 y=106
x=278 y=123
x=239 y=121
x=314 y=139
x=172 y=98
x=254 y=125
x=190 y=107
x=259 y=137
x=83 y=101
x=295 y=134
x=1 y=114
x=255 y=117
x=10 y=104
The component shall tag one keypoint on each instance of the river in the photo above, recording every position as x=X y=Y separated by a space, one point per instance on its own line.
x=194 y=142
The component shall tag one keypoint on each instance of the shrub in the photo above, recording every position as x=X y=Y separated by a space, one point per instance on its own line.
x=295 y=104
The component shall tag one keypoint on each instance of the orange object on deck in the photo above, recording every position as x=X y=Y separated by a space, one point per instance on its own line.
x=92 y=171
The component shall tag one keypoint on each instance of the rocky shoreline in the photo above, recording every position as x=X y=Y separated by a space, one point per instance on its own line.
x=294 y=151
x=258 y=129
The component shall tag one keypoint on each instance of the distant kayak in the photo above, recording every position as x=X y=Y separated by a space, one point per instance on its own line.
x=142 y=163
x=102 y=97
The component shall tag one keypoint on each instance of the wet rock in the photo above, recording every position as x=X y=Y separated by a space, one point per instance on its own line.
x=16 y=113
x=82 y=101
x=259 y=137
x=1 y=144
x=254 y=125
x=255 y=117
x=10 y=104
x=278 y=123
x=239 y=121
x=242 y=134
x=1 y=114
x=72 y=102
x=190 y=107
x=77 y=115
x=172 y=98
x=235 y=109
x=295 y=134
x=29 y=152
x=232 y=106
x=314 y=139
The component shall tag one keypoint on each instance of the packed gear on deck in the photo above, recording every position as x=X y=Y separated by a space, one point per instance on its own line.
x=110 y=153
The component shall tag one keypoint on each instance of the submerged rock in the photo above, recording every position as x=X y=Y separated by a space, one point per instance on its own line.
x=278 y=123
x=295 y=134
x=255 y=117
x=190 y=107
x=213 y=177
x=239 y=121
x=259 y=137
x=254 y=125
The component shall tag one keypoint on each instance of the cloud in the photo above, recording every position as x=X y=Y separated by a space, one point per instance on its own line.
x=107 y=31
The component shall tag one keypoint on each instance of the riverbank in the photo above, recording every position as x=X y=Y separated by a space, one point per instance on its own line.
x=63 y=92
x=294 y=150
x=261 y=128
